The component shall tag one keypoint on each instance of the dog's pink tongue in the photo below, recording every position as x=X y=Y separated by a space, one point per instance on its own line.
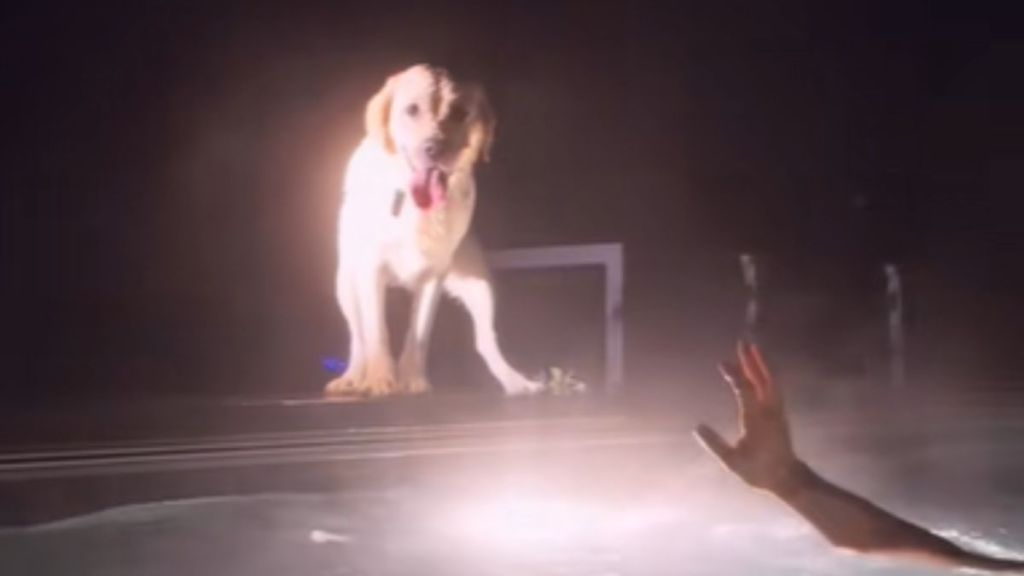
x=429 y=188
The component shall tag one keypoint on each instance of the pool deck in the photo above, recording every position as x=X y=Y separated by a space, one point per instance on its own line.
x=79 y=459
x=73 y=459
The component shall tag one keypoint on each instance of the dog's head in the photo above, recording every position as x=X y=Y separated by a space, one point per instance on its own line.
x=433 y=123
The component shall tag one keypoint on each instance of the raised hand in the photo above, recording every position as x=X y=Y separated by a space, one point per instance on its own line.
x=763 y=455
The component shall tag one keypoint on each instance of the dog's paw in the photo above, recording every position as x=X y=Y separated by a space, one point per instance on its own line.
x=412 y=378
x=379 y=382
x=341 y=386
x=369 y=386
x=519 y=385
x=415 y=385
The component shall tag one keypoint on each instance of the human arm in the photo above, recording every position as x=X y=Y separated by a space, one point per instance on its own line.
x=764 y=458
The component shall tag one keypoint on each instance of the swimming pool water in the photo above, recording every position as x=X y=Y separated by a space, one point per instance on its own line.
x=700 y=523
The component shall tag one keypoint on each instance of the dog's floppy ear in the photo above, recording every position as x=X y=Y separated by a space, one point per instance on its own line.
x=378 y=109
x=481 y=133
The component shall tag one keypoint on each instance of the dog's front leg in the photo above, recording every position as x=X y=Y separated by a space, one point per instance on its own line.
x=379 y=378
x=347 y=296
x=412 y=367
x=361 y=294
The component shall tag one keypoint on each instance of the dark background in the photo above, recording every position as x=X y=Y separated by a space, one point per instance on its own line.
x=172 y=171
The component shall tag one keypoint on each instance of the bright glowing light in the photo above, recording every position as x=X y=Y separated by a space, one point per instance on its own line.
x=516 y=521
x=512 y=520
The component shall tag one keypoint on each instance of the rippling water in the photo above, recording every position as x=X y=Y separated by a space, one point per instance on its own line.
x=960 y=476
x=703 y=524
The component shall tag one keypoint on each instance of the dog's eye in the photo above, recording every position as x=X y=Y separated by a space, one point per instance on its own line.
x=458 y=114
x=412 y=110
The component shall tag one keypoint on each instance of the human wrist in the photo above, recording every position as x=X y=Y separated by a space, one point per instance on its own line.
x=795 y=478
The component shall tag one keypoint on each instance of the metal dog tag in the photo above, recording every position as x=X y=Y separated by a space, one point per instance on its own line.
x=397 y=203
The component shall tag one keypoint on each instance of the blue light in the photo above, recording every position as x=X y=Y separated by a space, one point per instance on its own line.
x=334 y=365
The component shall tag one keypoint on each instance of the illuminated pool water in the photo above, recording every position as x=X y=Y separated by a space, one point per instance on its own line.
x=624 y=496
x=699 y=523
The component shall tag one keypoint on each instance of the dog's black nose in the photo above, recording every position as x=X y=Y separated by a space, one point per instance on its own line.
x=433 y=149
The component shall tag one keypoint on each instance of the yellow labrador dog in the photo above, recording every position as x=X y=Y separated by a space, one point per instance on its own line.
x=407 y=202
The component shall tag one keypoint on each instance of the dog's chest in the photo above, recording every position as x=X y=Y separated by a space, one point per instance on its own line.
x=381 y=222
x=423 y=242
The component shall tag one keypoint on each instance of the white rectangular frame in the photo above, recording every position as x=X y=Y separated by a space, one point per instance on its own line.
x=607 y=255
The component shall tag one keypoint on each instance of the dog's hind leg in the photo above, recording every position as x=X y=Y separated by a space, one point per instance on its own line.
x=469 y=282
x=412 y=366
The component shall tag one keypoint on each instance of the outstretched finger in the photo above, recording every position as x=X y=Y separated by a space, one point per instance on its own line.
x=769 y=390
x=750 y=369
x=713 y=442
x=740 y=384
x=758 y=361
